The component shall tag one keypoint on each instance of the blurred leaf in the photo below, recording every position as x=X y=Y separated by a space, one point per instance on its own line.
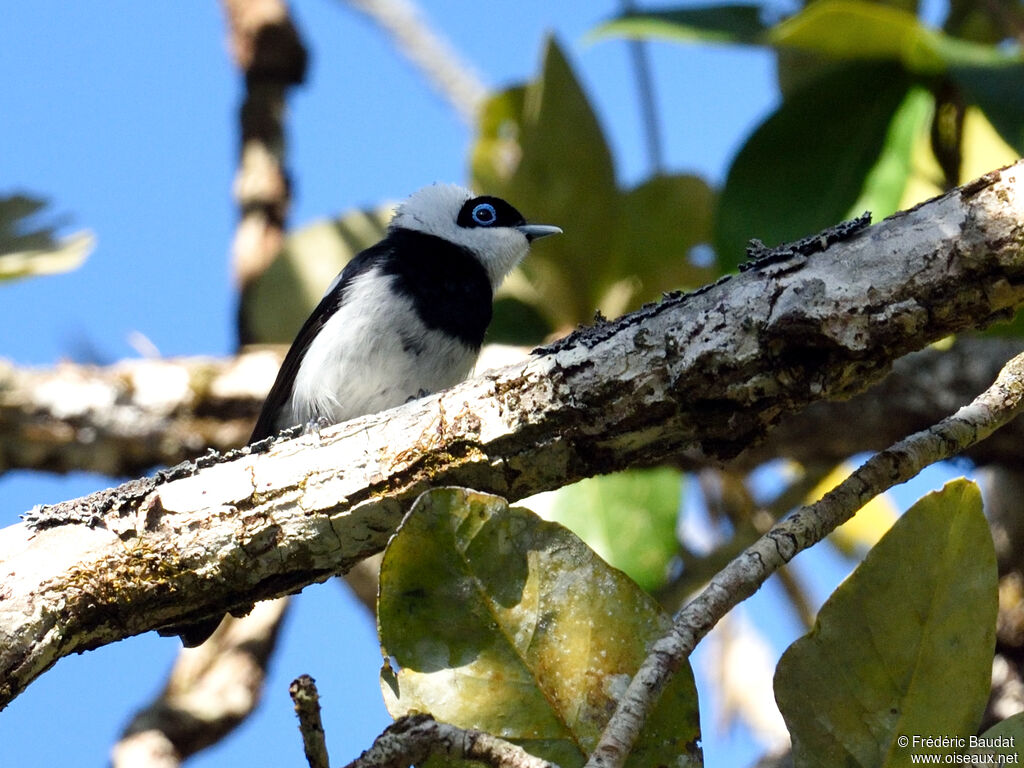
x=903 y=646
x=500 y=621
x=999 y=92
x=516 y=322
x=1006 y=738
x=542 y=148
x=30 y=247
x=807 y=164
x=281 y=299
x=628 y=518
x=855 y=29
x=972 y=20
x=887 y=180
x=662 y=220
x=983 y=148
x=709 y=24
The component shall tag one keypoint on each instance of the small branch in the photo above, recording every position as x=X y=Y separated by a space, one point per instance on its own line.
x=307 y=707
x=427 y=49
x=414 y=738
x=999 y=404
x=648 y=107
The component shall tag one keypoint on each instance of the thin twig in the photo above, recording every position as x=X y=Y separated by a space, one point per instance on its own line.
x=307 y=707
x=648 y=107
x=425 y=47
x=414 y=738
x=743 y=576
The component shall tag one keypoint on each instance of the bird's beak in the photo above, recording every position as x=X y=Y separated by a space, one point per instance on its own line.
x=537 y=231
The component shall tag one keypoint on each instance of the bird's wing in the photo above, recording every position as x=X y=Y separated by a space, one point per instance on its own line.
x=281 y=392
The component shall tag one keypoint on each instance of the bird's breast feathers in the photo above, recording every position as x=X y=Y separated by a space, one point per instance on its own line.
x=373 y=353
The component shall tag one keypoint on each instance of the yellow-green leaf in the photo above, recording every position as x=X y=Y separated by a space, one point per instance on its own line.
x=706 y=24
x=66 y=254
x=661 y=221
x=628 y=518
x=29 y=246
x=887 y=180
x=904 y=646
x=542 y=148
x=856 y=29
x=492 y=618
x=808 y=163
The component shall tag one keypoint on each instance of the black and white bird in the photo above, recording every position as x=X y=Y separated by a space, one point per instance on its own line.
x=404 y=318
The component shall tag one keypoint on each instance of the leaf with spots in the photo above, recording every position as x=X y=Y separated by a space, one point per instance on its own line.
x=904 y=646
x=492 y=618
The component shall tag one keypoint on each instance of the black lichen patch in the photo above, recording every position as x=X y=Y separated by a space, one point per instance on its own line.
x=760 y=256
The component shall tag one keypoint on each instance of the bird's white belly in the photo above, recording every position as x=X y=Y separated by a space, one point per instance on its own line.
x=372 y=355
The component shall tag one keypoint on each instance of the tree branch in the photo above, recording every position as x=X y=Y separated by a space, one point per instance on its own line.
x=699 y=376
x=124 y=419
x=1003 y=401
x=412 y=739
x=425 y=47
x=270 y=54
x=307 y=707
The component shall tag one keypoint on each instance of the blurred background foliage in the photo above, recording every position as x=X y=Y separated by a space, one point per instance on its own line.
x=28 y=243
x=879 y=112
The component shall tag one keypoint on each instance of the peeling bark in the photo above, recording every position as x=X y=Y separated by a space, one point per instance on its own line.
x=701 y=376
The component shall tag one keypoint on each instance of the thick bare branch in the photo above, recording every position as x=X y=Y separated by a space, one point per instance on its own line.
x=123 y=419
x=137 y=414
x=1003 y=401
x=701 y=376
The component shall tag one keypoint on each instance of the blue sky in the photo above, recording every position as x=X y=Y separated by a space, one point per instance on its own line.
x=123 y=113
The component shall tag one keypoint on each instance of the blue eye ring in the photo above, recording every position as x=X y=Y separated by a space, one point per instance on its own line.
x=484 y=214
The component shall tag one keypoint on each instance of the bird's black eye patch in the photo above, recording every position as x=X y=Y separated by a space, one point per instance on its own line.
x=487 y=211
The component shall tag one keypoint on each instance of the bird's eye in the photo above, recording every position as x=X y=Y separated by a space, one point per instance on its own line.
x=484 y=214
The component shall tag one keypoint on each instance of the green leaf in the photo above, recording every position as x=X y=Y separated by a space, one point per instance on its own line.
x=501 y=621
x=542 y=148
x=856 y=29
x=999 y=93
x=280 y=300
x=29 y=247
x=628 y=518
x=904 y=646
x=708 y=24
x=886 y=181
x=661 y=221
x=807 y=164
x=1003 y=738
